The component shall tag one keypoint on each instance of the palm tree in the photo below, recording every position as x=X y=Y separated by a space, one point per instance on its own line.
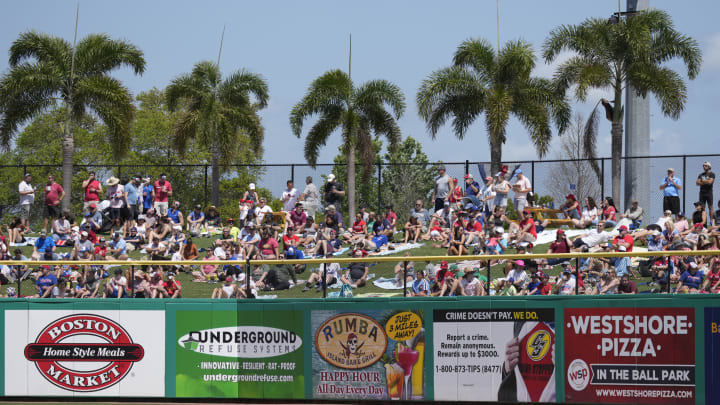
x=614 y=55
x=46 y=70
x=497 y=84
x=358 y=111
x=218 y=113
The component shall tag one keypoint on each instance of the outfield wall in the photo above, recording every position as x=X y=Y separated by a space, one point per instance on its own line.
x=655 y=349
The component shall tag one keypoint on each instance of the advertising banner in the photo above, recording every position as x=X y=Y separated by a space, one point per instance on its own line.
x=84 y=353
x=370 y=355
x=494 y=355
x=239 y=354
x=630 y=355
x=712 y=354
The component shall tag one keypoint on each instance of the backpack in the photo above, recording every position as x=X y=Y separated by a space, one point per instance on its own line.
x=346 y=291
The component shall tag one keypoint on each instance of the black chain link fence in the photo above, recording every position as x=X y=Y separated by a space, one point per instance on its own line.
x=192 y=183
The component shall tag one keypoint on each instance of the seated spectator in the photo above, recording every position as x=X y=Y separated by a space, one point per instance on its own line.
x=261 y=210
x=118 y=248
x=712 y=280
x=277 y=278
x=589 y=215
x=173 y=287
x=391 y=216
x=157 y=286
x=134 y=240
x=566 y=284
x=420 y=286
x=207 y=272
x=298 y=217
x=524 y=233
x=609 y=283
x=94 y=218
x=249 y=239
x=421 y=214
x=163 y=229
x=413 y=230
x=635 y=214
x=336 y=216
x=507 y=287
x=44 y=247
x=609 y=213
x=175 y=215
x=532 y=287
x=142 y=228
x=268 y=246
x=140 y=285
x=116 y=286
x=627 y=286
x=196 y=221
x=225 y=237
x=456 y=246
x=699 y=216
x=212 y=219
x=227 y=290
x=470 y=285
x=332 y=275
x=45 y=283
x=16 y=231
x=156 y=249
x=474 y=235
x=571 y=207
x=690 y=280
x=357 y=273
x=400 y=268
x=358 y=231
x=591 y=239
x=61 y=230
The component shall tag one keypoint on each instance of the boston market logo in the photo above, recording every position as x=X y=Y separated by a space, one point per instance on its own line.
x=84 y=353
x=351 y=341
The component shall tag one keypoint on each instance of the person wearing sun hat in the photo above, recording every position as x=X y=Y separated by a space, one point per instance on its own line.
x=116 y=194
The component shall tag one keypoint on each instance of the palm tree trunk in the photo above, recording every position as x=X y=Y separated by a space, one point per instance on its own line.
x=351 y=182
x=495 y=157
x=215 y=176
x=68 y=150
x=616 y=145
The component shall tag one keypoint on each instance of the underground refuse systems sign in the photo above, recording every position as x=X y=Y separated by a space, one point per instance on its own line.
x=101 y=353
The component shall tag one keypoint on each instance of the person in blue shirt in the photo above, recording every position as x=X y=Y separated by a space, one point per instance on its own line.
x=472 y=188
x=420 y=287
x=176 y=215
x=118 y=248
x=45 y=283
x=379 y=239
x=670 y=186
x=133 y=197
x=691 y=279
x=42 y=246
x=195 y=220
x=533 y=287
x=147 y=194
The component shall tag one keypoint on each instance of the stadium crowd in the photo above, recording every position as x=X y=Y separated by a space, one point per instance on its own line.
x=466 y=217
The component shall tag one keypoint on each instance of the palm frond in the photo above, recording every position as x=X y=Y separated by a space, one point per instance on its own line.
x=478 y=55
x=498 y=106
x=99 y=54
x=329 y=91
x=184 y=130
x=664 y=83
x=590 y=135
x=184 y=87
x=236 y=88
x=379 y=92
x=320 y=132
x=585 y=73
x=515 y=62
x=668 y=44
x=41 y=47
x=535 y=119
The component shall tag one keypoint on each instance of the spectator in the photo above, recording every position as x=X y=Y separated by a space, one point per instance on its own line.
x=44 y=248
x=298 y=218
x=261 y=210
x=289 y=196
x=488 y=196
x=45 y=283
x=251 y=196
x=116 y=286
x=140 y=285
x=470 y=284
x=591 y=239
x=571 y=208
x=441 y=190
x=589 y=215
x=333 y=192
x=277 y=278
x=92 y=191
x=212 y=219
x=422 y=215
x=54 y=194
x=699 y=216
x=16 y=231
x=690 y=280
x=27 y=199
x=310 y=197
x=566 y=284
x=117 y=196
x=268 y=246
x=118 y=247
x=627 y=286
x=671 y=185
x=705 y=180
x=609 y=283
x=332 y=275
x=502 y=188
x=420 y=286
x=195 y=221
x=357 y=273
x=61 y=230
x=413 y=230
x=147 y=194
x=157 y=286
x=162 y=191
x=609 y=213
x=456 y=246
x=456 y=193
x=521 y=188
x=175 y=215
x=559 y=245
x=472 y=187
x=208 y=272
x=173 y=287
x=635 y=214
x=333 y=212
x=133 y=191
x=712 y=277
x=391 y=217
x=525 y=233
x=227 y=290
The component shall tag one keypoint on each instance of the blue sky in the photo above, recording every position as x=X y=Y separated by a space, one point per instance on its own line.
x=292 y=42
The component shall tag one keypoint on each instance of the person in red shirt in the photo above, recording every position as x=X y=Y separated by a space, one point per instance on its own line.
x=473 y=231
x=391 y=216
x=290 y=239
x=54 y=193
x=162 y=191
x=623 y=239
x=545 y=288
x=93 y=190
x=298 y=218
x=100 y=249
x=173 y=287
x=358 y=231
x=526 y=231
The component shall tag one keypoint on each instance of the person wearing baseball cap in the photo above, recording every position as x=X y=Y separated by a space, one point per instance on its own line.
x=441 y=189
x=623 y=239
x=333 y=192
x=251 y=197
x=472 y=188
x=671 y=187
x=705 y=181
x=521 y=188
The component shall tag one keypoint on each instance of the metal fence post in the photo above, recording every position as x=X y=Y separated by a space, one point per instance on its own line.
x=205 y=194
x=467 y=167
x=684 y=182
x=405 y=263
x=324 y=280
x=488 y=277
x=602 y=180
x=247 y=273
x=532 y=180
x=577 y=275
x=292 y=173
x=379 y=176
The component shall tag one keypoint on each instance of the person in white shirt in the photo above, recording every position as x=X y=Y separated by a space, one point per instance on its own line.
x=310 y=197
x=27 y=198
x=261 y=210
x=591 y=239
x=332 y=275
x=566 y=285
x=521 y=188
x=517 y=273
x=289 y=197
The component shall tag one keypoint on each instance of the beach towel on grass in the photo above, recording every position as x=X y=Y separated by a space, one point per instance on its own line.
x=398 y=247
x=388 y=284
x=339 y=284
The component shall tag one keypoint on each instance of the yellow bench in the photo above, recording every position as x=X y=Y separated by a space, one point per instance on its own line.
x=549 y=214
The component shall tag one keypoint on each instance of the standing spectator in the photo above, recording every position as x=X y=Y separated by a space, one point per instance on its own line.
x=488 y=196
x=162 y=190
x=54 y=193
x=289 y=196
x=133 y=199
x=310 y=197
x=671 y=186
x=521 y=188
x=705 y=180
x=502 y=188
x=635 y=214
x=472 y=188
x=391 y=217
x=333 y=192
x=116 y=195
x=92 y=191
x=251 y=196
x=27 y=198
x=442 y=188
x=147 y=194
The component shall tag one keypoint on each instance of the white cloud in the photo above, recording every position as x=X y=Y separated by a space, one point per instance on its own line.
x=711 y=55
